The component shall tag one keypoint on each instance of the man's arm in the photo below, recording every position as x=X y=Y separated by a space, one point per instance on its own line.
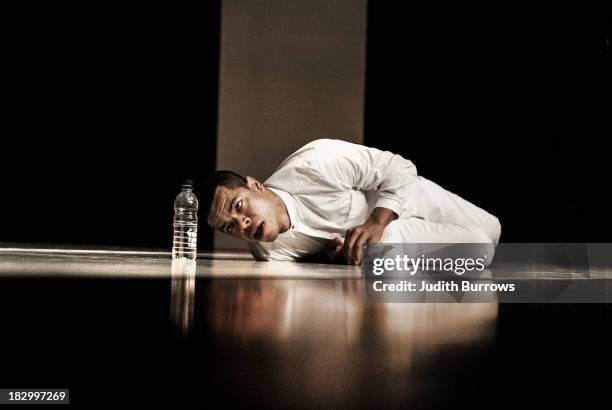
x=364 y=168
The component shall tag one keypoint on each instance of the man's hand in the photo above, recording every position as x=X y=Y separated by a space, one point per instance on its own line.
x=368 y=233
x=334 y=250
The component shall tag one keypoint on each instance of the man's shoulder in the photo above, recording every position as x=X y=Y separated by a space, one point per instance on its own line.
x=307 y=150
x=319 y=150
x=322 y=146
x=317 y=143
x=309 y=167
x=328 y=145
x=297 y=165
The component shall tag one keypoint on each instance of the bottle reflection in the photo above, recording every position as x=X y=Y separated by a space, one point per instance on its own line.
x=182 y=294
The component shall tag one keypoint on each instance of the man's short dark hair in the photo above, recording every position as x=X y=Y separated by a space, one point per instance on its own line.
x=206 y=191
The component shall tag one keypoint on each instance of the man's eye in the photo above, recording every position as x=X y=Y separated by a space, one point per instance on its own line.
x=238 y=205
x=229 y=229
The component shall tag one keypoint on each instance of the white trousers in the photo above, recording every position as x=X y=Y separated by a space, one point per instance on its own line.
x=417 y=230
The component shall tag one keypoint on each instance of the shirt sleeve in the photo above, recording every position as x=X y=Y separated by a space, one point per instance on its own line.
x=356 y=166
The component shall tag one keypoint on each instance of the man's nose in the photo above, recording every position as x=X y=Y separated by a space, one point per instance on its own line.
x=244 y=222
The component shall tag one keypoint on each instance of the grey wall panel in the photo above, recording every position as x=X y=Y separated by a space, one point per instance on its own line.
x=290 y=72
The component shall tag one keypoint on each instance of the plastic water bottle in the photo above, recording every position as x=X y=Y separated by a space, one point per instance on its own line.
x=185 y=240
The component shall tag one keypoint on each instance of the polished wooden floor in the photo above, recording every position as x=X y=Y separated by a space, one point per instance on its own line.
x=123 y=326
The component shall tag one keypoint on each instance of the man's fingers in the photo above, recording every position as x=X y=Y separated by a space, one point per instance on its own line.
x=363 y=239
x=357 y=247
x=358 y=251
x=357 y=237
x=348 y=240
x=338 y=243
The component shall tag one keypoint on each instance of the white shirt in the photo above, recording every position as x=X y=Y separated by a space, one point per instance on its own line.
x=329 y=186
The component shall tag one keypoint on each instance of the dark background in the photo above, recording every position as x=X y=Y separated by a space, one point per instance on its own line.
x=106 y=110
x=507 y=104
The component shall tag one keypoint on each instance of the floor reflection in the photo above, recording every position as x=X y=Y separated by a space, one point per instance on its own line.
x=182 y=294
x=326 y=328
x=307 y=309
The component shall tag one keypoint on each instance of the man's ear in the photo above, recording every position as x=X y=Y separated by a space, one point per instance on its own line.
x=254 y=184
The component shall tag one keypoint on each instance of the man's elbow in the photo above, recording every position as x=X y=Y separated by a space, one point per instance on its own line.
x=257 y=253
x=260 y=258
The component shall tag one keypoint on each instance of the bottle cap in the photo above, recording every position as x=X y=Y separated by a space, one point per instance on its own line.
x=188 y=183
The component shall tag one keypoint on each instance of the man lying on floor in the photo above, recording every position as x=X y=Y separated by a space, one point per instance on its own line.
x=332 y=197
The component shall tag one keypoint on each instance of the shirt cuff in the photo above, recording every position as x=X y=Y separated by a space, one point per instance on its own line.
x=389 y=203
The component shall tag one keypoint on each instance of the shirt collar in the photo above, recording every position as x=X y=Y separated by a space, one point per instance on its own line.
x=290 y=203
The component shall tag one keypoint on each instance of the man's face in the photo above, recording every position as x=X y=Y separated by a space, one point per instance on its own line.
x=245 y=213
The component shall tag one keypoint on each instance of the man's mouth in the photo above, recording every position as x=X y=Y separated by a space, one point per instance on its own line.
x=259 y=231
